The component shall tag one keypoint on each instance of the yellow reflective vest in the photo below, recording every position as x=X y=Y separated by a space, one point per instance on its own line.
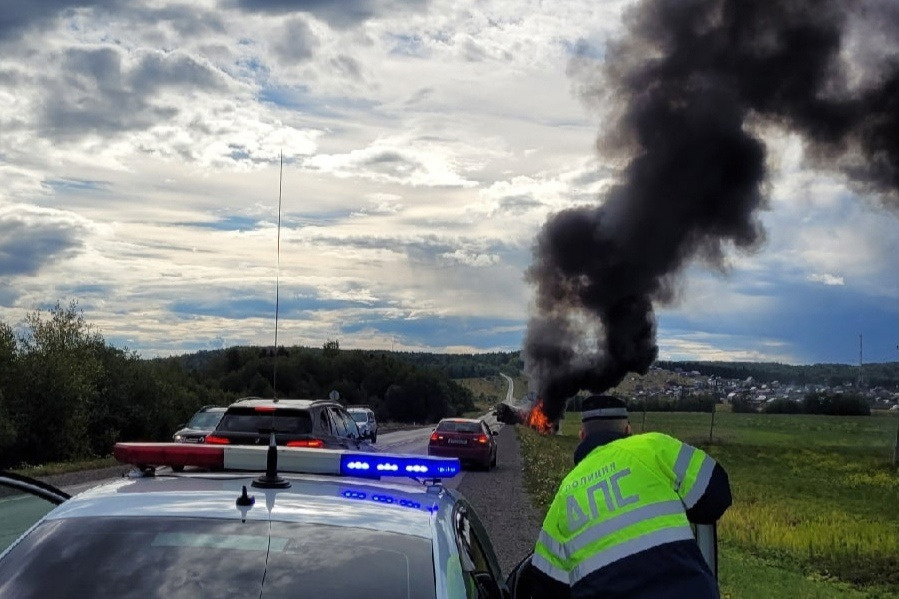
x=624 y=497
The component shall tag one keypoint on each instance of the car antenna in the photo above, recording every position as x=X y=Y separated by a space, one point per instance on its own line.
x=277 y=282
x=271 y=479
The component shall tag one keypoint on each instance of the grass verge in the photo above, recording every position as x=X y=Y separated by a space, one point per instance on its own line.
x=815 y=510
x=54 y=468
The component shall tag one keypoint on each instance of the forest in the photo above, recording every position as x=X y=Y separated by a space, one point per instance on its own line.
x=65 y=393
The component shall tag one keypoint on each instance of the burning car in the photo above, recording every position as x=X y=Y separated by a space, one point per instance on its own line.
x=533 y=416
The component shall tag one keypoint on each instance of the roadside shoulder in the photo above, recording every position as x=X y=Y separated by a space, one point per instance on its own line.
x=501 y=501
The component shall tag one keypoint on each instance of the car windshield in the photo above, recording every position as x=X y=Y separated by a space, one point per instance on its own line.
x=205 y=420
x=456 y=426
x=359 y=416
x=172 y=558
x=248 y=420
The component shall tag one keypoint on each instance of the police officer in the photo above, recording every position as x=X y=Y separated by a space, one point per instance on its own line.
x=619 y=526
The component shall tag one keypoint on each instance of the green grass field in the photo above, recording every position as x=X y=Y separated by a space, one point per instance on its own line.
x=816 y=498
x=489 y=391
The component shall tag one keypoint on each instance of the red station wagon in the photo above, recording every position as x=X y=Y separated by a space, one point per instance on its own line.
x=468 y=439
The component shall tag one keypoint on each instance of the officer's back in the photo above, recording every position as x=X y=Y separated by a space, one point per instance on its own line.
x=619 y=525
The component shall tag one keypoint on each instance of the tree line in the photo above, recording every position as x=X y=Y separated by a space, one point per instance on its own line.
x=65 y=393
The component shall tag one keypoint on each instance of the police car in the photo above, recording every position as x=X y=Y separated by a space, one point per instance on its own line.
x=246 y=521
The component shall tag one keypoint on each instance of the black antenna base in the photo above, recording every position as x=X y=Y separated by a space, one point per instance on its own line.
x=271 y=479
x=271 y=482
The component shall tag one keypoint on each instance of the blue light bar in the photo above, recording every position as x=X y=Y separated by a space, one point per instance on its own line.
x=389 y=499
x=382 y=464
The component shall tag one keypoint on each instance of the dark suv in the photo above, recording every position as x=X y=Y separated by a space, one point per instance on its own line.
x=296 y=423
x=200 y=424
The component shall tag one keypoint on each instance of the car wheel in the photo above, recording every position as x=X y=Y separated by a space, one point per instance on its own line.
x=374 y=438
x=493 y=461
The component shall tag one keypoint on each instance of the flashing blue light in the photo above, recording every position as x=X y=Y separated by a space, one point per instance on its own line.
x=373 y=464
x=388 y=499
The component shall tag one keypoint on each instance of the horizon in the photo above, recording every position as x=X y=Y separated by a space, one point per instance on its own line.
x=476 y=353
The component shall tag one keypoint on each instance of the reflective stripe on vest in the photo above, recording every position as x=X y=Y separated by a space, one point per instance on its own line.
x=684 y=466
x=604 y=528
x=681 y=464
x=701 y=483
x=610 y=555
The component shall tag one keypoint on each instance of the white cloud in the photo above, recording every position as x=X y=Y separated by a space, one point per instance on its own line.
x=469 y=259
x=826 y=278
x=703 y=346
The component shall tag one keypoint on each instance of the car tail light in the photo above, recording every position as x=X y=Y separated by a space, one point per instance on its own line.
x=264 y=408
x=217 y=440
x=482 y=438
x=316 y=443
x=435 y=437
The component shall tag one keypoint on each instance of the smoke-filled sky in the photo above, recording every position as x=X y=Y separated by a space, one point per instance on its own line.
x=691 y=88
x=426 y=143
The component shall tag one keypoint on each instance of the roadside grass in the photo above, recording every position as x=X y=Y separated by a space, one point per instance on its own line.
x=520 y=387
x=743 y=575
x=815 y=498
x=487 y=391
x=53 y=468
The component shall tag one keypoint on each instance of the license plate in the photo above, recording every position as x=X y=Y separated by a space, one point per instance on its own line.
x=457 y=441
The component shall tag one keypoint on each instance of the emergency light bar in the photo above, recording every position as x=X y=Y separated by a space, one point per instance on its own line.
x=290 y=459
x=382 y=464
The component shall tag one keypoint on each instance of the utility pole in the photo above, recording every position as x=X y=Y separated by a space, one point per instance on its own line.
x=896 y=444
x=896 y=447
x=643 y=424
x=861 y=377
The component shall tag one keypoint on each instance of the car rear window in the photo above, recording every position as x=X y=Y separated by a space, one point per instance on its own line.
x=248 y=420
x=205 y=420
x=359 y=416
x=454 y=426
x=175 y=558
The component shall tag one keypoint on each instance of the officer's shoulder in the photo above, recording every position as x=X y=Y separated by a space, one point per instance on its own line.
x=652 y=437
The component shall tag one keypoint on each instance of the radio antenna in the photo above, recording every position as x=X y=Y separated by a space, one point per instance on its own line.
x=277 y=280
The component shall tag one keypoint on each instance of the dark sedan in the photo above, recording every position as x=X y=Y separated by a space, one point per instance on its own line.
x=468 y=439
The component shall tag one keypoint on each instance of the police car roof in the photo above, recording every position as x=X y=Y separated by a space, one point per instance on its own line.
x=313 y=499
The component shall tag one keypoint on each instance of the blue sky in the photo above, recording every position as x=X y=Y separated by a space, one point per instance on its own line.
x=425 y=142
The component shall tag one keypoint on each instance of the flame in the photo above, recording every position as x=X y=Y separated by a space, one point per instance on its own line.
x=537 y=419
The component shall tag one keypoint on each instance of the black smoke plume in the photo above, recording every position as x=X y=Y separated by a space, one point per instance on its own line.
x=689 y=91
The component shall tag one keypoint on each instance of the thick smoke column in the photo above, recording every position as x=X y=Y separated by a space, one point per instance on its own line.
x=690 y=87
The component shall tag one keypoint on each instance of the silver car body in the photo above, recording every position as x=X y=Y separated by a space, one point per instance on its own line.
x=403 y=506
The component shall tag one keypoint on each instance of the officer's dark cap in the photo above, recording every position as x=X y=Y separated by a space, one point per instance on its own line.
x=603 y=407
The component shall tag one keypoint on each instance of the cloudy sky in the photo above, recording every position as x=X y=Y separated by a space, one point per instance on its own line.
x=424 y=143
